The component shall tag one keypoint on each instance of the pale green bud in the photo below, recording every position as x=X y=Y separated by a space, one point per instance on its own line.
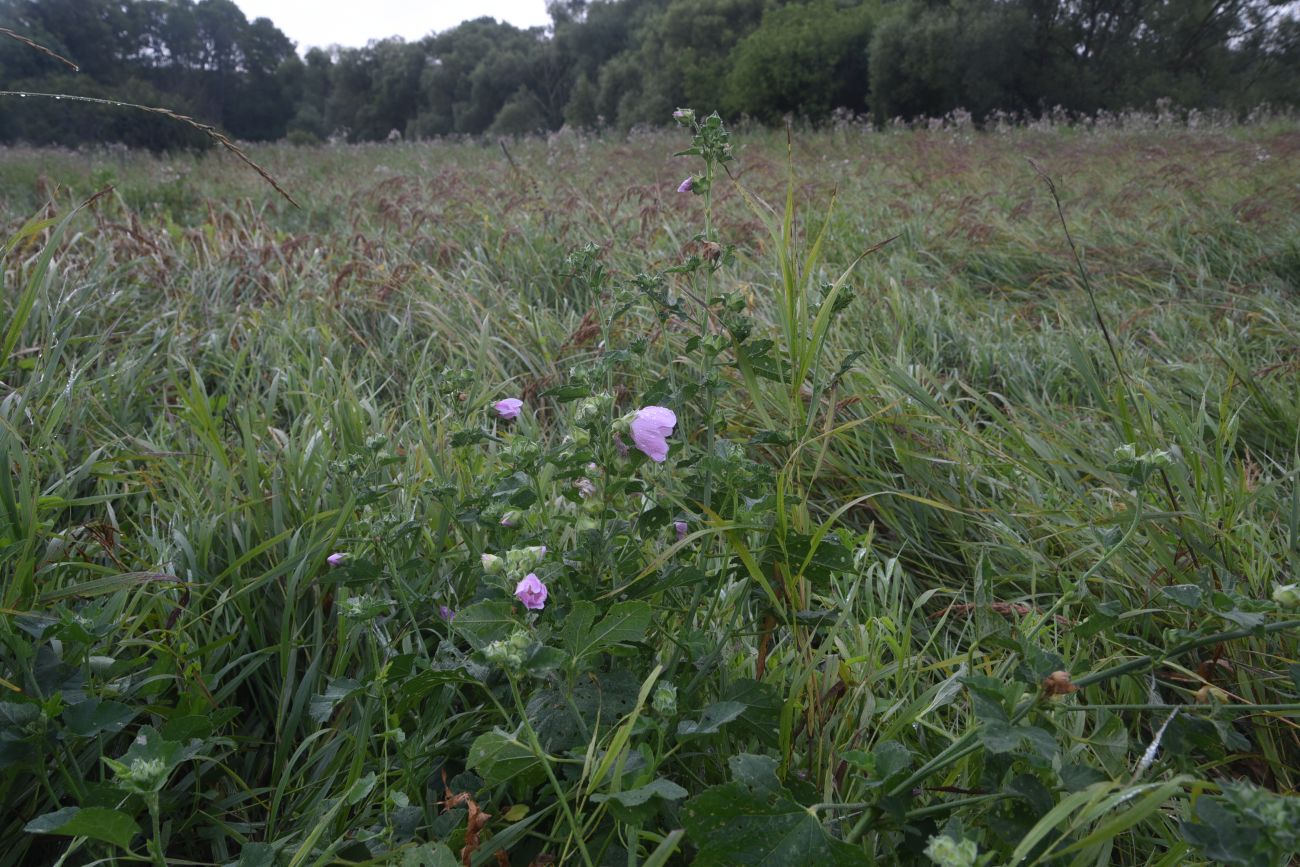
x=588 y=411
x=492 y=564
x=140 y=776
x=624 y=424
x=947 y=852
x=521 y=560
x=664 y=700
x=1287 y=595
x=509 y=653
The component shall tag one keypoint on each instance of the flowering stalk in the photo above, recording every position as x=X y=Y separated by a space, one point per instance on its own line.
x=155 y=819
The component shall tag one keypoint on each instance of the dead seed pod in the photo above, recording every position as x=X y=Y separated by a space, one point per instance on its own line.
x=1058 y=683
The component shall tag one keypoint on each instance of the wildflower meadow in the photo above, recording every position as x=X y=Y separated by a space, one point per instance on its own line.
x=844 y=496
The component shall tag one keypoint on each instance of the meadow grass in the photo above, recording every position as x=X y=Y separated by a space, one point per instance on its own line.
x=917 y=485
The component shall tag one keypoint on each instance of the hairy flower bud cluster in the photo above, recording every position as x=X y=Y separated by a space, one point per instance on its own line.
x=509 y=653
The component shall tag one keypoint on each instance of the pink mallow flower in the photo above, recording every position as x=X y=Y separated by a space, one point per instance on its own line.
x=509 y=408
x=685 y=186
x=680 y=527
x=336 y=559
x=532 y=592
x=651 y=428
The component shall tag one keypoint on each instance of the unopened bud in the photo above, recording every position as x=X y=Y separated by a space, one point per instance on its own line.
x=1287 y=595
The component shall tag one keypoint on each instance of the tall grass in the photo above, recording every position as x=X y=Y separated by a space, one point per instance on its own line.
x=928 y=493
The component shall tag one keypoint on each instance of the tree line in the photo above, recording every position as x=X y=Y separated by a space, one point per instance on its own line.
x=619 y=63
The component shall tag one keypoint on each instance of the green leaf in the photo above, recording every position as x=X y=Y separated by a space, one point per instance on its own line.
x=97 y=823
x=565 y=718
x=484 y=622
x=891 y=758
x=1244 y=619
x=1001 y=737
x=256 y=855
x=429 y=855
x=414 y=689
x=468 y=437
x=567 y=393
x=323 y=705
x=1186 y=595
x=186 y=728
x=544 y=660
x=659 y=788
x=761 y=719
x=735 y=824
x=92 y=716
x=712 y=718
x=498 y=757
x=756 y=772
x=1246 y=826
x=361 y=789
x=625 y=622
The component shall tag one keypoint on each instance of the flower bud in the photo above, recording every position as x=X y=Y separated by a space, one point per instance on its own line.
x=1287 y=595
x=588 y=411
x=664 y=700
x=509 y=653
x=947 y=852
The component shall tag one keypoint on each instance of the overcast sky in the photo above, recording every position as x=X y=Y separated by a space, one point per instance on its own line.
x=356 y=22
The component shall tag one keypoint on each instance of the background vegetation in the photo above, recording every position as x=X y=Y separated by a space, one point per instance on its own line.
x=620 y=63
x=964 y=578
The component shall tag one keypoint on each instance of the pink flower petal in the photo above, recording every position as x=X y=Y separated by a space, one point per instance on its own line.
x=532 y=592
x=508 y=408
x=650 y=431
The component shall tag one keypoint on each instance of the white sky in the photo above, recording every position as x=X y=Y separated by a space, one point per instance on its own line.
x=355 y=22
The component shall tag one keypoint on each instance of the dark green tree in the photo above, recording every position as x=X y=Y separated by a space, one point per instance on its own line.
x=805 y=59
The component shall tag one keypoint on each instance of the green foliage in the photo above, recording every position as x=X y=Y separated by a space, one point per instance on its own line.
x=1245 y=825
x=753 y=820
x=922 y=577
x=976 y=56
x=806 y=59
x=203 y=59
x=521 y=115
x=623 y=63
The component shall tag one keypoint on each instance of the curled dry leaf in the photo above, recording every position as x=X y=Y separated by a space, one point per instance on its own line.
x=474 y=823
x=1058 y=683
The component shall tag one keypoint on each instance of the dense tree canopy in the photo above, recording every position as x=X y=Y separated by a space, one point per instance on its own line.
x=626 y=62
